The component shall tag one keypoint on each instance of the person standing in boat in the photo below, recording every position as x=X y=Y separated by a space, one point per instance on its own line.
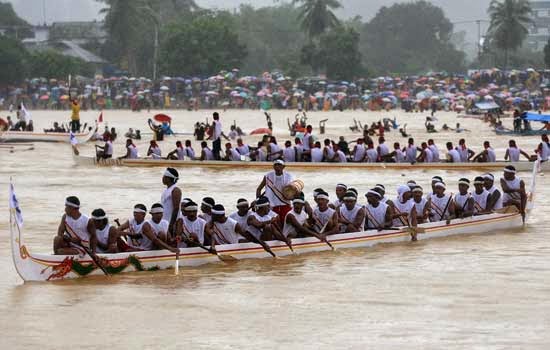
x=106 y=234
x=155 y=231
x=189 y=227
x=171 y=197
x=513 y=189
x=131 y=150
x=324 y=219
x=513 y=152
x=494 y=200
x=480 y=196
x=274 y=182
x=132 y=229
x=216 y=136
x=442 y=205
x=464 y=204
x=351 y=216
x=75 y=116
x=378 y=214
x=75 y=230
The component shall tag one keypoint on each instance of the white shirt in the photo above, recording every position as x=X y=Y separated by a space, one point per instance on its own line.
x=133 y=152
x=195 y=228
x=217 y=130
x=274 y=188
x=225 y=233
x=435 y=152
x=166 y=201
x=290 y=229
x=454 y=156
x=158 y=229
x=254 y=231
x=316 y=155
x=289 y=154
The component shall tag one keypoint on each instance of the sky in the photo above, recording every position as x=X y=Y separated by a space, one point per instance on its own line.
x=87 y=10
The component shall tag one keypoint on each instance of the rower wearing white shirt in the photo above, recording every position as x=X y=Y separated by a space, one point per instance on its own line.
x=543 y=150
x=324 y=220
x=513 y=152
x=299 y=149
x=132 y=229
x=340 y=191
x=464 y=204
x=316 y=153
x=453 y=156
x=382 y=148
x=397 y=156
x=513 y=189
x=371 y=155
x=206 y=153
x=488 y=154
x=242 y=214
x=480 y=196
x=404 y=210
x=231 y=154
x=206 y=208
x=442 y=205
x=359 y=151
x=273 y=149
x=106 y=234
x=351 y=216
x=296 y=220
x=75 y=229
x=410 y=151
x=289 y=152
x=171 y=197
x=222 y=230
x=435 y=151
x=263 y=223
x=131 y=150
x=426 y=155
x=464 y=152
x=494 y=201
x=328 y=151
x=307 y=139
x=154 y=150
x=421 y=205
x=155 y=231
x=106 y=151
x=189 y=227
x=378 y=214
x=178 y=153
x=188 y=150
x=243 y=148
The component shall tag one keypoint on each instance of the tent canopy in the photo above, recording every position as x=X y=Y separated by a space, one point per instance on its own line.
x=487 y=105
x=545 y=118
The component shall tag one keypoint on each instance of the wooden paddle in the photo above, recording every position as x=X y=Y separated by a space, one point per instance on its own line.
x=319 y=237
x=224 y=258
x=94 y=257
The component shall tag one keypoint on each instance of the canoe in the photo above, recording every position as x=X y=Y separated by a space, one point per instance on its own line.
x=47 y=267
x=28 y=136
x=213 y=164
x=522 y=133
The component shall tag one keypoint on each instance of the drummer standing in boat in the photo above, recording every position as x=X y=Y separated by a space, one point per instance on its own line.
x=171 y=197
x=274 y=183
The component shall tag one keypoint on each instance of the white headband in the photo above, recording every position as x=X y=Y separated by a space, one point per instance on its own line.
x=417 y=189
x=207 y=204
x=322 y=196
x=262 y=205
x=169 y=174
x=350 y=198
x=218 y=212
x=279 y=161
x=157 y=210
x=380 y=188
x=191 y=208
x=479 y=182
x=511 y=171
x=242 y=204
x=69 y=204
x=464 y=183
x=440 y=184
x=99 y=217
x=342 y=186
x=138 y=210
x=298 y=200
x=374 y=193
x=489 y=176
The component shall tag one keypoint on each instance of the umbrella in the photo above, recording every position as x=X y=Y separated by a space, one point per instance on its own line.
x=161 y=118
x=44 y=97
x=164 y=88
x=64 y=97
x=260 y=131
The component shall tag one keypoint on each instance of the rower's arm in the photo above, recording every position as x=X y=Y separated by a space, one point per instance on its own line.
x=341 y=219
x=525 y=154
x=506 y=155
x=469 y=209
x=253 y=222
x=125 y=226
x=291 y=220
x=523 y=196
x=176 y=202
x=93 y=236
x=332 y=226
x=505 y=187
x=359 y=218
x=492 y=200
x=471 y=154
x=148 y=232
x=61 y=227
x=260 y=188
x=170 y=154
x=388 y=218
x=414 y=217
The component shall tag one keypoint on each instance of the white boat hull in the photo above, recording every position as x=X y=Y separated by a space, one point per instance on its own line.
x=26 y=136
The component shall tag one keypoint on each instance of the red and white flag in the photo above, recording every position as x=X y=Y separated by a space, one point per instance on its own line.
x=100 y=119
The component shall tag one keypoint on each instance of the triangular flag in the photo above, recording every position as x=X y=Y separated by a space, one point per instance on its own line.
x=100 y=119
x=14 y=204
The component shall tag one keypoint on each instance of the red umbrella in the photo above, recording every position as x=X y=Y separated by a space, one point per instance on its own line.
x=161 y=118
x=260 y=131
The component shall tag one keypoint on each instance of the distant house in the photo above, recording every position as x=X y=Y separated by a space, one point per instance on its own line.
x=539 y=30
x=68 y=38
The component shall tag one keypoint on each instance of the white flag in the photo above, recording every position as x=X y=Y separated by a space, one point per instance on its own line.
x=74 y=140
x=14 y=204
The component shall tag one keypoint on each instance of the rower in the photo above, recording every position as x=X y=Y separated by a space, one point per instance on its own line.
x=206 y=153
x=494 y=201
x=242 y=214
x=299 y=149
x=464 y=204
x=105 y=151
x=371 y=155
x=339 y=155
x=480 y=196
x=324 y=219
x=131 y=150
x=435 y=180
x=453 y=156
x=189 y=227
x=465 y=153
x=154 y=150
x=513 y=189
x=404 y=210
x=441 y=204
x=488 y=154
x=231 y=154
x=378 y=214
x=410 y=151
x=426 y=155
x=296 y=220
x=188 y=150
x=263 y=223
x=206 y=208
x=543 y=149
x=359 y=151
x=435 y=151
x=155 y=231
x=132 y=229
x=274 y=182
x=316 y=153
x=273 y=150
x=243 y=148
x=421 y=204
x=106 y=234
x=340 y=191
x=289 y=152
x=513 y=152
x=328 y=151
x=382 y=148
x=308 y=138
x=222 y=230
x=178 y=153
x=79 y=228
x=351 y=216
x=397 y=156
x=171 y=197
x=381 y=189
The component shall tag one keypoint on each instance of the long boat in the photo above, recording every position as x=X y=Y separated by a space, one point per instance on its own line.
x=218 y=164
x=48 y=267
x=31 y=136
x=522 y=133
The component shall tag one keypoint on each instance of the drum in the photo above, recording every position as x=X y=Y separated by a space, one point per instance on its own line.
x=293 y=189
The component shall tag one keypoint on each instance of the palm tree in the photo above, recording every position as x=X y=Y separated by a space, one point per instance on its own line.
x=509 y=22
x=317 y=16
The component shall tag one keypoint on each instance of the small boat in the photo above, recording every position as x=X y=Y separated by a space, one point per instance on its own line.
x=218 y=164
x=48 y=267
x=522 y=133
x=31 y=136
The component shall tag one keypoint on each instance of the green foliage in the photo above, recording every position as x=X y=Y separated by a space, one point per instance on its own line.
x=51 y=64
x=12 y=59
x=316 y=16
x=205 y=45
x=410 y=38
x=340 y=53
x=509 y=21
x=17 y=27
x=547 y=54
